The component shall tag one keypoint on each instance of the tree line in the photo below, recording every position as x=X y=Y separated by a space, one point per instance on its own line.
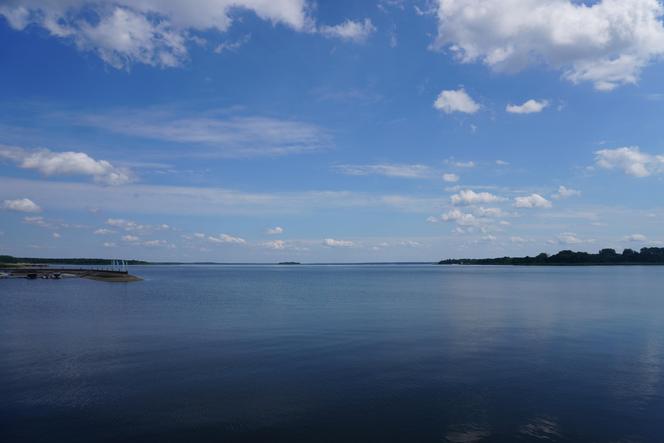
x=607 y=256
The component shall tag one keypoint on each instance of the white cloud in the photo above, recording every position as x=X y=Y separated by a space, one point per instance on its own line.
x=109 y=244
x=564 y=192
x=232 y=46
x=66 y=163
x=607 y=42
x=275 y=244
x=459 y=164
x=275 y=231
x=333 y=243
x=570 y=238
x=146 y=31
x=470 y=197
x=388 y=170
x=216 y=134
x=21 y=205
x=489 y=212
x=356 y=31
x=630 y=160
x=532 y=201
x=56 y=235
x=461 y=218
x=450 y=178
x=103 y=231
x=225 y=238
x=635 y=238
x=130 y=238
x=450 y=101
x=529 y=107
x=502 y=163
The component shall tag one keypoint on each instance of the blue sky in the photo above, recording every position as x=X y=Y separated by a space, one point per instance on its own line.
x=331 y=131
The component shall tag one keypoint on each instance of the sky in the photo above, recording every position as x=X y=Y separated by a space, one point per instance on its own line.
x=329 y=131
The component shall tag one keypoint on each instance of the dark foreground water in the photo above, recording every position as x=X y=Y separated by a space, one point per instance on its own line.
x=336 y=354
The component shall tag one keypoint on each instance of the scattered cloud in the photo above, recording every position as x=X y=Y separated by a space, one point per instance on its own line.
x=502 y=163
x=225 y=238
x=461 y=164
x=275 y=244
x=333 y=243
x=21 y=205
x=529 y=107
x=387 y=170
x=103 y=231
x=232 y=46
x=275 y=231
x=630 y=160
x=450 y=178
x=570 y=238
x=532 y=201
x=125 y=32
x=458 y=100
x=356 y=31
x=130 y=238
x=216 y=134
x=635 y=238
x=607 y=42
x=109 y=244
x=56 y=235
x=52 y=163
x=564 y=192
x=470 y=197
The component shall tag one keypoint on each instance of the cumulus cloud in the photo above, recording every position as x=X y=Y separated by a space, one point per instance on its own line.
x=21 y=205
x=635 y=238
x=66 y=163
x=103 y=231
x=386 y=169
x=461 y=218
x=532 y=201
x=225 y=238
x=606 y=43
x=275 y=231
x=130 y=238
x=470 y=197
x=356 y=31
x=458 y=100
x=529 y=107
x=122 y=32
x=333 y=243
x=630 y=160
x=450 y=178
x=570 y=238
x=275 y=244
x=564 y=192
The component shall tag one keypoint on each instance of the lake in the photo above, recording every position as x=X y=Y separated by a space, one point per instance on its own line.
x=338 y=353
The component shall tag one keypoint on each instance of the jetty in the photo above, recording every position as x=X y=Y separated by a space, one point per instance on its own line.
x=37 y=272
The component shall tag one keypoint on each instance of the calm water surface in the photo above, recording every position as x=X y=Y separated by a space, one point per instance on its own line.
x=336 y=354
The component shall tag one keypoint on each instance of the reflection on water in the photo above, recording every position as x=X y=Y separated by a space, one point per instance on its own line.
x=336 y=353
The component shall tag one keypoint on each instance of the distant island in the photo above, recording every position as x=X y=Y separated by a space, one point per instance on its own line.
x=289 y=263
x=646 y=256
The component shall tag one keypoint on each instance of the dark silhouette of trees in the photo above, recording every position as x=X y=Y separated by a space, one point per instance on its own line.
x=607 y=256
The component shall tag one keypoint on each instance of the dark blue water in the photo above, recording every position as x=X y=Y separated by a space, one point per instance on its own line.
x=336 y=354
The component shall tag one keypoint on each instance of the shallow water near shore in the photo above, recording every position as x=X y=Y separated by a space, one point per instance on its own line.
x=336 y=353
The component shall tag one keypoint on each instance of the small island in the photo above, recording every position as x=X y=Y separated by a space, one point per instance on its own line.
x=289 y=263
x=605 y=257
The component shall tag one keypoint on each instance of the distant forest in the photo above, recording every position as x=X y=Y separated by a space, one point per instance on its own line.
x=646 y=256
x=8 y=259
